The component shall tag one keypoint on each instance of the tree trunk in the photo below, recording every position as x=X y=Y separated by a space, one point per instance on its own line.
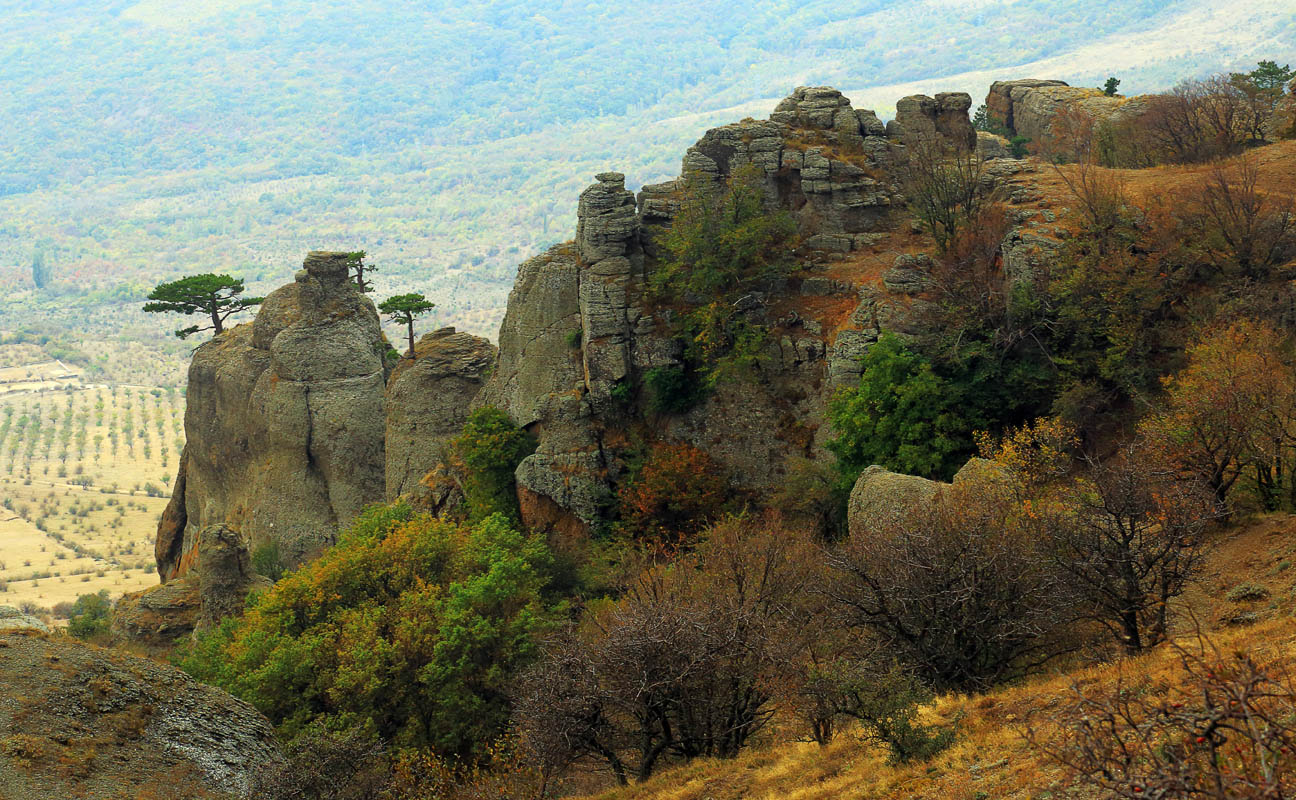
x=410 y=323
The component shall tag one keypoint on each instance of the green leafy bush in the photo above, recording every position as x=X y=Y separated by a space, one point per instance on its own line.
x=489 y=449
x=268 y=561
x=721 y=245
x=672 y=390
x=902 y=415
x=411 y=629
x=91 y=615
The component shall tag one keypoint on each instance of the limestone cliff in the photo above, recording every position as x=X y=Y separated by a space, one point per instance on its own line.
x=284 y=422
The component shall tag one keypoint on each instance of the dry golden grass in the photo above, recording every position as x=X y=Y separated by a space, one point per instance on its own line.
x=80 y=493
x=991 y=758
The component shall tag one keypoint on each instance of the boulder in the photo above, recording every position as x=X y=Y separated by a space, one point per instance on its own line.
x=428 y=399
x=989 y=146
x=881 y=498
x=910 y=274
x=13 y=619
x=84 y=721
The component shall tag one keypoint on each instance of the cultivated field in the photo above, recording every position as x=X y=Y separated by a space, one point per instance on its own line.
x=85 y=471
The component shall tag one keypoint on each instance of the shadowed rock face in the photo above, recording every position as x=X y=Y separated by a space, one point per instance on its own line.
x=284 y=421
x=83 y=721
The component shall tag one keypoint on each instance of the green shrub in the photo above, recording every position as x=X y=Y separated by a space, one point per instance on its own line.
x=672 y=390
x=410 y=628
x=91 y=615
x=267 y=560
x=1247 y=592
x=1017 y=146
x=489 y=450
x=722 y=244
x=902 y=416
x=886 y=704
x=574 y=338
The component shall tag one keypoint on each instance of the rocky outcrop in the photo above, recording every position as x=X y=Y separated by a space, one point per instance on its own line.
x=83 y=721
x=1029 y=108
x=284 y=422
x=216 y=586
x=990 y=146
x=159 y=616
x=428 y=398
x=925 y=118
x=579 y=336
x=1003 y=96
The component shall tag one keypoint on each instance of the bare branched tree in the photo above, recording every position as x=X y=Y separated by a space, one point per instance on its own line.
x=1129 y=536
x=958 y=589
x=945 y=186
x=1221 y=727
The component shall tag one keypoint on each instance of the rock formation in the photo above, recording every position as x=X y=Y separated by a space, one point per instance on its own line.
x=284 y=422
x=428 y=398
x=216 y=586
x=579 y=335
x=945 y=115
x=83 y=721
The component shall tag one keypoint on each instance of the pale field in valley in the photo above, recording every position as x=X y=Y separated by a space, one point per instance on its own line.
x=85 y=472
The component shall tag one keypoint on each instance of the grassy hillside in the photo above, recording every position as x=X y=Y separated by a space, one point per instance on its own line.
x=451 y=140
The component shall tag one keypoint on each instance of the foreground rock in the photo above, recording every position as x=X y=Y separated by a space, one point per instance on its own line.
x=81 y=721
x=12 y=619
x=284 y=422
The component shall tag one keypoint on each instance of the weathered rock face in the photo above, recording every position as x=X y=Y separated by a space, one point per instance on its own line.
x=284 y=421
x=1000 y=101
x=82 y=721
x=945 y=115
x=428 y=399
x=159 y=616
x=216 y=586
x=579 y=335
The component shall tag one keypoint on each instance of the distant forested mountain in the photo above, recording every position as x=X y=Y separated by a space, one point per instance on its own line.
x=144 y=140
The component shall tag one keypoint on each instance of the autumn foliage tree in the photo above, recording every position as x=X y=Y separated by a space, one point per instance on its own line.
x=1232 y=411
x=677 y=492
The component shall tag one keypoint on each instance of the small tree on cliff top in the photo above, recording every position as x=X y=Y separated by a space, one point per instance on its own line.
x=356 y=263
x=217 y=296
x=404 y=308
